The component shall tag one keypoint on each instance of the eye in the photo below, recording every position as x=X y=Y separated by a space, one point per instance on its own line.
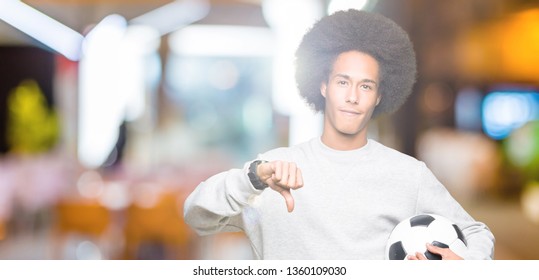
x=342 y=82
x=366 y=87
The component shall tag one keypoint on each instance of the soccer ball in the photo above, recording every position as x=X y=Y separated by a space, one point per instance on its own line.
x=411 y=235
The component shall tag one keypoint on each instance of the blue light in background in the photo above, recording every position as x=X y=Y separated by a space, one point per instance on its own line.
x=468 y=109
x=505 y=111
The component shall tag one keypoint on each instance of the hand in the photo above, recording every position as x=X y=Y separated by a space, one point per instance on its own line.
x=281 y=176
x=446 y=253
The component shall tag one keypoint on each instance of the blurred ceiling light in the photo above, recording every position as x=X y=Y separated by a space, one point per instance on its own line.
x=289 y=20
x=214 y=40
x=116 y=69
x=174 y=15
x=142 y=39
x=141 y=66
x=338 y=5
x=291 y=16
x=101 y=96
x=41 y=27
x=110 y=29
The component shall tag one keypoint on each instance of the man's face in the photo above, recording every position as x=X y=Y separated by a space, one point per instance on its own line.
x=351 y=94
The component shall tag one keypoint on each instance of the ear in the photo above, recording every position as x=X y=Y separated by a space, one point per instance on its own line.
x=378 y=99
x=323 y=88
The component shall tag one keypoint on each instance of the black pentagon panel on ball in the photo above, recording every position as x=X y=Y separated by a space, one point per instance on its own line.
x=421 y=220
x=460 y=234
x=411 y=234
x=396 y=251
x=432 y=256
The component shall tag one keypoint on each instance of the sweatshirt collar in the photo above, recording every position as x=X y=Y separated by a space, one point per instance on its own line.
x=343 y=156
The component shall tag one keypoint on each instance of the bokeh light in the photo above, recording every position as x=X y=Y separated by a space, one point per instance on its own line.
x=522 y=147
x=505 y=111
x=530 y=201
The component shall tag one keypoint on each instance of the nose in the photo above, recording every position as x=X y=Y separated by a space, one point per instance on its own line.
x=352 y=96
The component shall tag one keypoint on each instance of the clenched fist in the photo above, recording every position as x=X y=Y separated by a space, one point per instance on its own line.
x=281 y=176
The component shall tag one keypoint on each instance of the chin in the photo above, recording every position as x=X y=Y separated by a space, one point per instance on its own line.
x=350 y=132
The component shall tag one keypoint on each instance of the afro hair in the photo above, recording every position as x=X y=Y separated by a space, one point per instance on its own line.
x=361 y=31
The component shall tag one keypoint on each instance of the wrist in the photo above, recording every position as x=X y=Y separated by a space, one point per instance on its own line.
x=253 y=173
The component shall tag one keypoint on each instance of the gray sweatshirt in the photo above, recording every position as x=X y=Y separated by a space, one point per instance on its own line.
x=347 y=208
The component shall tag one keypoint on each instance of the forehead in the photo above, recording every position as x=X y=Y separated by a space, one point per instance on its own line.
x=355 y=64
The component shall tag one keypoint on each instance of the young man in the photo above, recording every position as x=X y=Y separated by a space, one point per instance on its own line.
x=343 y=193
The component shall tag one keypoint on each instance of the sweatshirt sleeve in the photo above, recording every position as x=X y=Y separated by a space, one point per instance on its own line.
x=216 y=204
x=434 y=198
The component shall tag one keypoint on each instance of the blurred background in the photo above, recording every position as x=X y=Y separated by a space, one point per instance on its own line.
x=112 y=112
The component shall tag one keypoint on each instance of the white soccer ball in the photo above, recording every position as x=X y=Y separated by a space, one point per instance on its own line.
x=411 y=235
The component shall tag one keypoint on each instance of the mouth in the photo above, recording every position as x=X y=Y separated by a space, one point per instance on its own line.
x=349 y=112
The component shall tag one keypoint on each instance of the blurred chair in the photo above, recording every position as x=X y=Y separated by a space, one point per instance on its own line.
x=2 y=230
x=226 y=246
x=157 y=231
x=82 y=218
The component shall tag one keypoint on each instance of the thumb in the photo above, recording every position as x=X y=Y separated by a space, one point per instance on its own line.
x=288 y=199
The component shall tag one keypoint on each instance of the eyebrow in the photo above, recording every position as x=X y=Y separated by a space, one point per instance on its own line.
x=349 y=78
